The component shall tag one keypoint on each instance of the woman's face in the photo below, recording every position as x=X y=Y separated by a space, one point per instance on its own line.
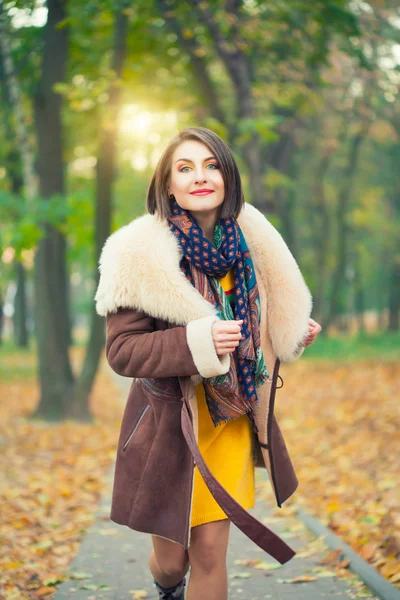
x=194 y=168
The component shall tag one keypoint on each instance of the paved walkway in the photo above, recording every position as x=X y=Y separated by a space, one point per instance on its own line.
x=112 y=563
x=114 y=560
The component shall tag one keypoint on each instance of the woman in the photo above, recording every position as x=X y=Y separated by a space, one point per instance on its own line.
x=203 y=300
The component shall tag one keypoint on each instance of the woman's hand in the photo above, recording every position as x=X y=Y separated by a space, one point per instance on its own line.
x=226 y=336
x=313 y=330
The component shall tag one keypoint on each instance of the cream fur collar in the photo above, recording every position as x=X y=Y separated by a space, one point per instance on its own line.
x=139 y=268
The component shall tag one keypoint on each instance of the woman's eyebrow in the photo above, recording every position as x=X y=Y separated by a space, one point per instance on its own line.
x=188 y=159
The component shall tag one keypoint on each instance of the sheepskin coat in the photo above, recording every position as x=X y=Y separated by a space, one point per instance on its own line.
x=159 y=333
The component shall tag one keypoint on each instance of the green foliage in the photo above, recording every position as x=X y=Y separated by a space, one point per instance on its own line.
x=23 y=224
x=79 y=227
x=265 y=127
x=315 y=76
x=380 y=346
x=276 y=180
x=219 y=128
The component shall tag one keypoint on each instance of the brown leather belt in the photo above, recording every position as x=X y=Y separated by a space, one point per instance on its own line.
x=256 y=531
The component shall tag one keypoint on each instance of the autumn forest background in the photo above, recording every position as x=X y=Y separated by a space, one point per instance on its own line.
x=307 y=95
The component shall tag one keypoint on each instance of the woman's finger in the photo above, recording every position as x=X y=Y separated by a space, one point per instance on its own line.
x=233 y=345
x=227 y=338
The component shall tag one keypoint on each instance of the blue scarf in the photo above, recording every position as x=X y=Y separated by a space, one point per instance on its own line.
x=231 y=395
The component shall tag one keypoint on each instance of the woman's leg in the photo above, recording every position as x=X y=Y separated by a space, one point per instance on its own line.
x=168 y=562
x=207 y=556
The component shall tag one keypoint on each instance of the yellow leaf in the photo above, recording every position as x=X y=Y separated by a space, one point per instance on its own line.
x=247 y=562
x=302 y=578
x=138 y=594
x=18 y=524
x=265 y=566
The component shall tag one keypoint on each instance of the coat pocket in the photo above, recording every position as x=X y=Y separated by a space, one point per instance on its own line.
x=137 y=425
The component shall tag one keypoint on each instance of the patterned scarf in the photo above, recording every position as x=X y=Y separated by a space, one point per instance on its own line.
x=231 y=395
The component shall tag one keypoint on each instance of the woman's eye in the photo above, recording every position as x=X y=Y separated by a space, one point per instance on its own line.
x=215 y=166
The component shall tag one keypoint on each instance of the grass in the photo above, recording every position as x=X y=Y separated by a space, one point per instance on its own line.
x=17 y=363
x=381 y=346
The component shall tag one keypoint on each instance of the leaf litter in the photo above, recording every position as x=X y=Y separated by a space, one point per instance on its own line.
x=338 y=442
x=342 y=426
x=53 y=476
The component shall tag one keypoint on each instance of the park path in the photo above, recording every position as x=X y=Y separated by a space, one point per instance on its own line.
x=112 y=561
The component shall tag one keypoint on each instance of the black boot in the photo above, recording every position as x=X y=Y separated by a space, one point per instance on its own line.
x=175 y=593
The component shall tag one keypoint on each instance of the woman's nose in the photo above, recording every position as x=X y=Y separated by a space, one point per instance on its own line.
x=200 y=178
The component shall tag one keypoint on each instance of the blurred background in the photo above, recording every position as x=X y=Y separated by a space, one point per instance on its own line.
x=307 y=96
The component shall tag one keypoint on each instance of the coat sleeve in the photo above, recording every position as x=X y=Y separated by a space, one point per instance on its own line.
x=135 y=349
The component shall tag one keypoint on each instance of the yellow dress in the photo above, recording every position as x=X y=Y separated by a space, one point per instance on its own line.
x=227 y=451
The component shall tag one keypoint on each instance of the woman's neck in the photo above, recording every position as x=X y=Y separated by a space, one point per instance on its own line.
x=207 y=222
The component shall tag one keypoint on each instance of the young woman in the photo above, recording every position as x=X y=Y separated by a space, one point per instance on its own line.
x=203 y=301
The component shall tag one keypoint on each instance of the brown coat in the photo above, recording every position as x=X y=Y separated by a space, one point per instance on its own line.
x=159 y=333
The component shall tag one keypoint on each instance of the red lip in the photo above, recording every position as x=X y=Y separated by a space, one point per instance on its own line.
x=203 y=191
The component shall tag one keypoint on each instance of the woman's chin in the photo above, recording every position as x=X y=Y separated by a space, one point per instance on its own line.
x=202 y=204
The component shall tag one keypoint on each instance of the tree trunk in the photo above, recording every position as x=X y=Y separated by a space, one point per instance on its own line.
x=19 y=318
x=359 y=301
x=78 y=404
x=279 y=156
x=50 y=272
x=343 y=229
x=323 y=234
x=394 y=297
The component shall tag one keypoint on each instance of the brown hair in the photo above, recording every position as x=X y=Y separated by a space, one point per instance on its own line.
x=157 y=200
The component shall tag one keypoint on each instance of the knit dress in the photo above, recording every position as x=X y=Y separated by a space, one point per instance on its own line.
x=227 y=451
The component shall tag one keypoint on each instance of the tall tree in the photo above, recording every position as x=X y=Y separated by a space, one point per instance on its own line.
x=50 y=272
x=105 y=175
x=62 y=394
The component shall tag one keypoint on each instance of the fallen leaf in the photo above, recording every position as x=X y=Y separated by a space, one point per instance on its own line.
x=331 y=557
x=93 y=586
x=138 y=594
x=265 y=566
x=299 y=579
x=43 y=591
x=247 y=562
x=108 y=532
x=79 y=575
x=326 y=574
x=344 y=564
